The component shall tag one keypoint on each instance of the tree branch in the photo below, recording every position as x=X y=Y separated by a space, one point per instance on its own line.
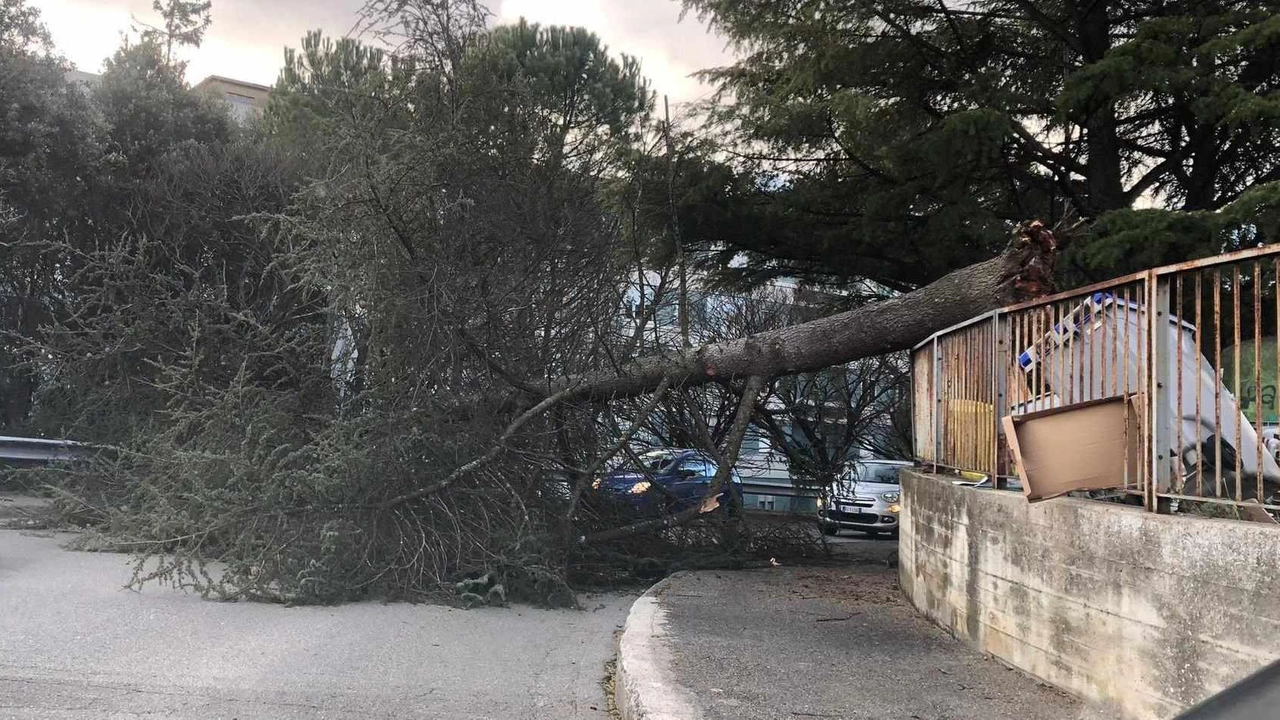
x=483 y=460
x=732 y=444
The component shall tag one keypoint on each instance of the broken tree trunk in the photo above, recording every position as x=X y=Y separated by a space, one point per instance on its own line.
x=1024 y=270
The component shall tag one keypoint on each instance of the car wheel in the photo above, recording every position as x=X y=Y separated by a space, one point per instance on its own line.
x=831 y=530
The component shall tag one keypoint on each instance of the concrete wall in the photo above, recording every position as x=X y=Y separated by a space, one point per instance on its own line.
x=1141 y=613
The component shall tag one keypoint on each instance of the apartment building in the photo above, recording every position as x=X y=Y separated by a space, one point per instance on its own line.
x=245 y=100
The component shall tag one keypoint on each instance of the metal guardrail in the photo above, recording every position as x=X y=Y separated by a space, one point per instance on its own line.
x=1196 y=344
x=21 y=450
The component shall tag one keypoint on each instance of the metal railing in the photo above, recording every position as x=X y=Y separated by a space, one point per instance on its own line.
x=1195 y=346
x=24 y=450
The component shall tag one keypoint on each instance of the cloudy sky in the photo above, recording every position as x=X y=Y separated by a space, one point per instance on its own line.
x=248 y=36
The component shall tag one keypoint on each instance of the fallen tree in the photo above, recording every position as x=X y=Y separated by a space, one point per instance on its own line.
x=398 y=501
x=1023 y=271
x=383 y=399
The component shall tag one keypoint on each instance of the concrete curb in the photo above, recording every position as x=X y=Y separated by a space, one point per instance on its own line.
x=643 y=685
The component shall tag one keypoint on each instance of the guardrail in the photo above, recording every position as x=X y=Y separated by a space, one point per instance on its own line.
x=20 y=450
x=1196 y=344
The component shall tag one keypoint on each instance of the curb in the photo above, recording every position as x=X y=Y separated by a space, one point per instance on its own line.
x=643 y=688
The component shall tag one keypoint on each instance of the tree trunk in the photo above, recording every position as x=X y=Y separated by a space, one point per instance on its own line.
x=1105 y=177
x=1023 y=270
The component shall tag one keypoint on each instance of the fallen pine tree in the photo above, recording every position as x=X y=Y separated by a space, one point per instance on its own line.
x=1023 y=271
x=299 y=507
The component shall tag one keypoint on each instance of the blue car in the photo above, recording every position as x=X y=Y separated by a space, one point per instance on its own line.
x=672 y=480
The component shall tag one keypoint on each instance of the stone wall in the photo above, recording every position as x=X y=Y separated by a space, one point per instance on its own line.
x=1141 y=613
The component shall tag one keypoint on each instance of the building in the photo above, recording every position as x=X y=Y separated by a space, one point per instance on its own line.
x=247 y=100
x=79 y=77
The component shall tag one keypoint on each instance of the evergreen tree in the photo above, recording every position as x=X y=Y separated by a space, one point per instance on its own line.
x=149 y=108
x=183 y=22
x=898 y=139
x=50 y=159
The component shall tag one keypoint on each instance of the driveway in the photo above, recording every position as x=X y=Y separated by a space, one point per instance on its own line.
x=74 y=644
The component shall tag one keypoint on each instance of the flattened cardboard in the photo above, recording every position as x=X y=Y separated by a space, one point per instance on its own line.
x=1084 y=446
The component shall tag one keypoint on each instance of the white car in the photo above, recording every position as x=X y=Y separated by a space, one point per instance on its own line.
x=866 y=498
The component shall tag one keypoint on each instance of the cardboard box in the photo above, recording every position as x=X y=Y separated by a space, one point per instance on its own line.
x=1085 y=446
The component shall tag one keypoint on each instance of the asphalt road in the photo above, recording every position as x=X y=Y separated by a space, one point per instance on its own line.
x=836 y=642
x=74 y=644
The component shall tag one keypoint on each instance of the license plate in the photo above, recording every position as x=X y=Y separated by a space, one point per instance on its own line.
x=849 y=508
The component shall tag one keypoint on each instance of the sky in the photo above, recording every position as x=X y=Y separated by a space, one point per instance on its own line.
x=247 y=39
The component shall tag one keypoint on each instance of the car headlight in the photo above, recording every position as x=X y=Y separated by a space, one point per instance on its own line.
x=889 y=497
x=640 y=488
x=895 y=508
x=821 y=503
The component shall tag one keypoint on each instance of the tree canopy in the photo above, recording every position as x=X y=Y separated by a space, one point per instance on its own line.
x=51 y=151
x=898 y=139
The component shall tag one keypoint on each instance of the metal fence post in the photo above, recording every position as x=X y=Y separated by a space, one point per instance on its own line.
x=1159 y=417
x=999 y=378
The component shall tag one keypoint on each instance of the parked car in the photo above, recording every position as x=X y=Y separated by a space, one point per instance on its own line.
x=866 y=498
x=1271 y=440
x=670 y=479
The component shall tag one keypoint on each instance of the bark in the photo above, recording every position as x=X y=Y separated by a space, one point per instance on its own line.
x=1024 y=270
x=1105 y=177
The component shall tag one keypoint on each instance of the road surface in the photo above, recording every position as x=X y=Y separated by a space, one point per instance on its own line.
x=838 y=642
x=74 y=645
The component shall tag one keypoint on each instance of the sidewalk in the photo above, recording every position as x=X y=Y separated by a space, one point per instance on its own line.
x=824 y=642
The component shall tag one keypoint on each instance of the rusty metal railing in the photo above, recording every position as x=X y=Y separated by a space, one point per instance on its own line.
x=1195 y=346
x=961 y=396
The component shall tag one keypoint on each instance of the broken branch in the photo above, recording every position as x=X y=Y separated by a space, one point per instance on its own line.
x=732 y=444
x=483 y=460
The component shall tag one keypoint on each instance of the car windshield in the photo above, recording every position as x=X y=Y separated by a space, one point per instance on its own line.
x=656 y=462
x=698 y=466
x=885 y=474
